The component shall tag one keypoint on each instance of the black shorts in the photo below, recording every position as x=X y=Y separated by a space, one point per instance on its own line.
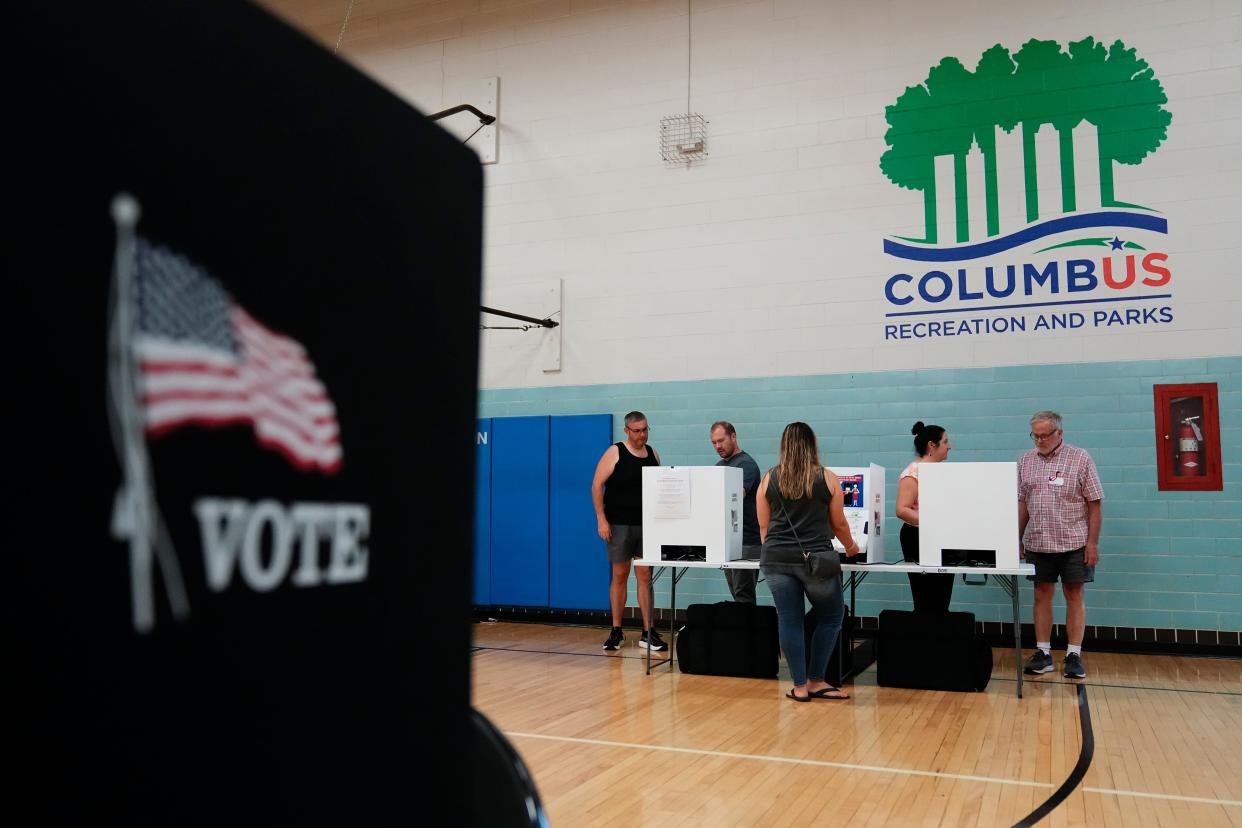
x=1070 y=567
x=626 y=543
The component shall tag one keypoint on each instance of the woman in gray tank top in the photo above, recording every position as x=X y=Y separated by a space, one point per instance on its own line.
x=799 y=507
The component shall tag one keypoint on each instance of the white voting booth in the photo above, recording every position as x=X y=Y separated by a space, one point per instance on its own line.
x=692 y=513
x=862 y=493
x=968 y=512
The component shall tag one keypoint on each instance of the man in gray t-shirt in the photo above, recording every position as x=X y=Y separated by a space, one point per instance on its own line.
x=724 y=440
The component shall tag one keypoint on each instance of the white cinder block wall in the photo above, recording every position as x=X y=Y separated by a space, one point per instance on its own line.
x=752 y=286
x=766 y=259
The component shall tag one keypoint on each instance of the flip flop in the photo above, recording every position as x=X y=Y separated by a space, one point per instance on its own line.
x=826 y=693
x=792 y=695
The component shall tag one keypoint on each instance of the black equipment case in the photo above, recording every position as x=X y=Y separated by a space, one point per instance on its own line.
x=729 y=639
x=932 y=651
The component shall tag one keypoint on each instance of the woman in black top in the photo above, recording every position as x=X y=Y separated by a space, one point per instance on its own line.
x=799 y=509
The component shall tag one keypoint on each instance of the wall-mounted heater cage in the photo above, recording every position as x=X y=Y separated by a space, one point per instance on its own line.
x=683 y=139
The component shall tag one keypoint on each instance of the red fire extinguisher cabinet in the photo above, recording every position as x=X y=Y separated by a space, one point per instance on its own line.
x=1188 y=437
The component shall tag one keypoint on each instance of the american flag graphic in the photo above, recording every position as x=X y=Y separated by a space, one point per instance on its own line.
x=202 y=360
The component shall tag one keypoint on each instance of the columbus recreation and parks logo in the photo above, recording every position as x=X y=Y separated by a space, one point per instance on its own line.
x=1021 y=163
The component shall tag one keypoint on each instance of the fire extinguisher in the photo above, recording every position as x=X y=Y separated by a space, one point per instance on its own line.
x=1189 y=449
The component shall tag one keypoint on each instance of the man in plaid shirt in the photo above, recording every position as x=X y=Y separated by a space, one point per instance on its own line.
x=1059 y=517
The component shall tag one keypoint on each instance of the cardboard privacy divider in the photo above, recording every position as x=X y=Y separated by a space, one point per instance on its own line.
x=863 y=497
x=245 y=479
x=968 y=512
x=692 y=513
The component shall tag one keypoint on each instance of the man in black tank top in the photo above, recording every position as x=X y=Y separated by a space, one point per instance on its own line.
x=618 y=495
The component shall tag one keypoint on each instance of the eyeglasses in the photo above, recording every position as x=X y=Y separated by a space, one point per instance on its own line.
x=1050 y=434
x=638 y=430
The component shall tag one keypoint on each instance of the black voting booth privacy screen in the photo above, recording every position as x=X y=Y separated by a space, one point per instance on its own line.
x=319 y=672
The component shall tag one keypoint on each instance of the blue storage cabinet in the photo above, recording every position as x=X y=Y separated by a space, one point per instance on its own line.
x=579 y=571
x=519 y=511
x=483 y=514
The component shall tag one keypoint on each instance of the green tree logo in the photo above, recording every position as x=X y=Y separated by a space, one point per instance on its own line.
x=956 y=109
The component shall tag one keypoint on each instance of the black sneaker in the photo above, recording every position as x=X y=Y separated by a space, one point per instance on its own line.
x=1073 y=666
x=1041 y=662
x=651 y=640
x=615 y=639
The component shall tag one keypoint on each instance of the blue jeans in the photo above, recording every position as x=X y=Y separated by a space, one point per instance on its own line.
x=791 y=587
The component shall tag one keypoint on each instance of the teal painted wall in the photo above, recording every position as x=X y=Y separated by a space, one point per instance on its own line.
x=1168 y=559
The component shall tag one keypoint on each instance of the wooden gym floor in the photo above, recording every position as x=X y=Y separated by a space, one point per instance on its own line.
x=611 y=746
